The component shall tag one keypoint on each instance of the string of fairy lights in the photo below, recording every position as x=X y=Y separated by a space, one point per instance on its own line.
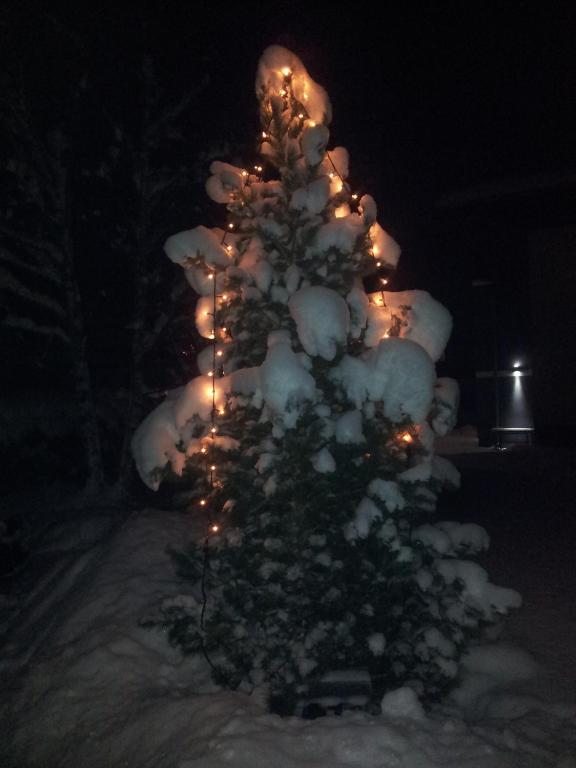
x=208 y=449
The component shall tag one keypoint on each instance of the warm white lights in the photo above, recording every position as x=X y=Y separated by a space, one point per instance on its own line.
x=286 y=71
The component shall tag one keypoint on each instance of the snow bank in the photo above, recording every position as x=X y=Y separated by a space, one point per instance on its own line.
x=106 y=693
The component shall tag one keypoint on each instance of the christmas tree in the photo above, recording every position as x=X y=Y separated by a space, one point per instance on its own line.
x=309 y=434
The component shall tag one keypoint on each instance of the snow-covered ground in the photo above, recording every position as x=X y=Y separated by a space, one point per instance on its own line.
x=84 y=685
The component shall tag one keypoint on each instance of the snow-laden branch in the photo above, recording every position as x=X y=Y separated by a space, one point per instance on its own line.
x=20 y=289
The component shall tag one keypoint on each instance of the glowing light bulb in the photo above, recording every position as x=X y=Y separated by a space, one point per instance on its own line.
x=301 y=116
x=354 y=197
x=219 y=353
x=210 y=373
x=224 y=297
x=202 y=502
x=286 y=71
x=264 y=135
x=384 y=280
x=331 y=174
x=211 y=336
x=210 y=276
x=312 y=123
x=203 y=450
x=215 y=528
x=378 y=263
x=221 y=411
x=229 y=248
x=213 y=467
x=407 y=437
x=244 y=173
x=230 y=226
x=213 y=430
x=224 y=330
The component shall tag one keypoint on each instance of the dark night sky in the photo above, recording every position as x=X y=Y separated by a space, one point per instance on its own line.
x=429 y=98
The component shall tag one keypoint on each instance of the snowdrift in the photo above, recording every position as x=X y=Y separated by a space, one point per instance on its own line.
x=104 y=692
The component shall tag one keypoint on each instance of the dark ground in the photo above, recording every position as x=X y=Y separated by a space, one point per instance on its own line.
x=524 y=498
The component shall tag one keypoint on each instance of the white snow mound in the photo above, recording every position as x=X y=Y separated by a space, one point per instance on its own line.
x=322 y=320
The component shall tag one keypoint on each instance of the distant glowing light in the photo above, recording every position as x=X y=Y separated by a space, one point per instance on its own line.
x=407 y=437
x=202 y=502
x=301 y=116
x=354 y=197
x=203 y=450
x=230 y=226
x=286 y=71
x=210 y=276
x=384 y=280
x=213 y=430
x=517 y=374
x=215 y=528
x=378 y=263
x=219 y=353
x=213 y=468
x=516 y=364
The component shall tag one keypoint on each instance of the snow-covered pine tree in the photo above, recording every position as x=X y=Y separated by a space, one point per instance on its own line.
x=310 y=431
